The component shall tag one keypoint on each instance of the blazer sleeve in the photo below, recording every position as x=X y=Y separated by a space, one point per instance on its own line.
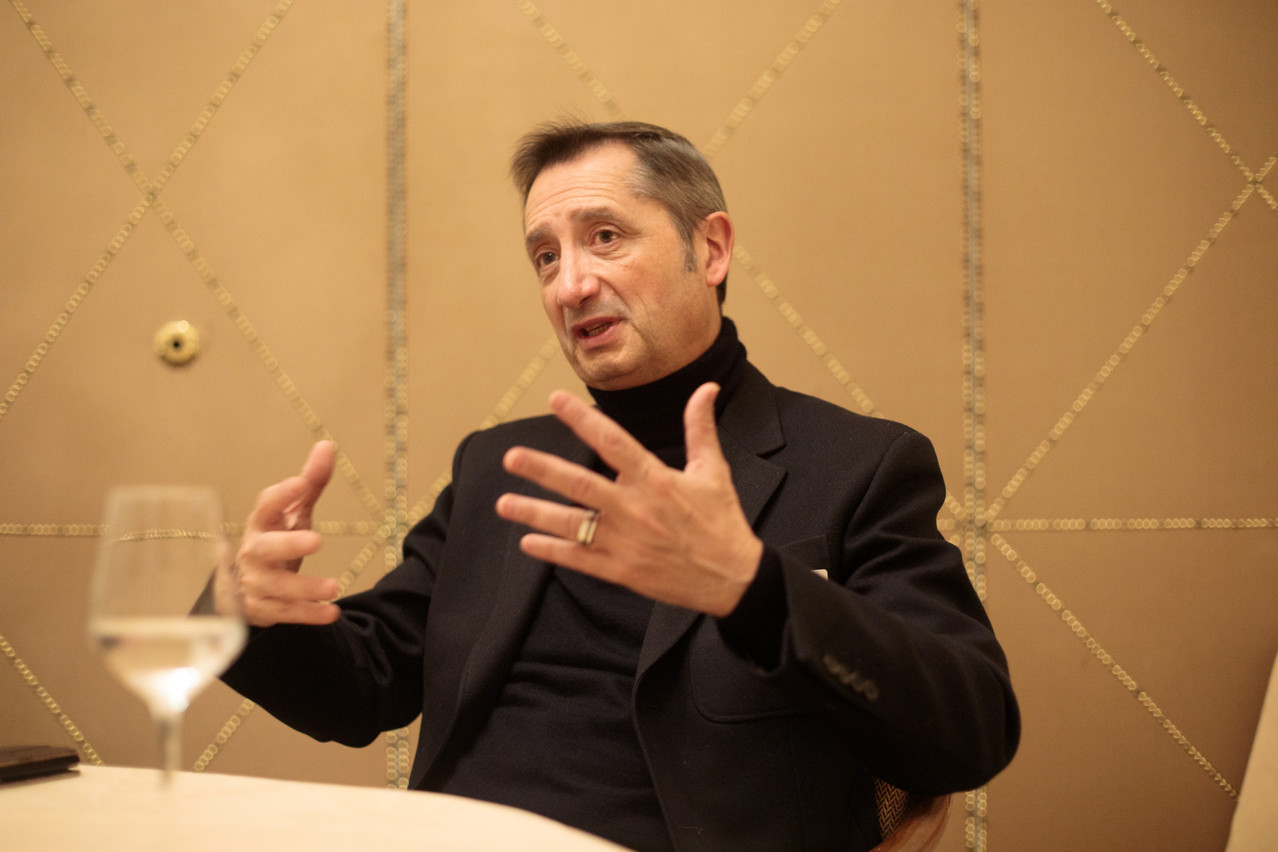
x=351 y=680
x=894 y=646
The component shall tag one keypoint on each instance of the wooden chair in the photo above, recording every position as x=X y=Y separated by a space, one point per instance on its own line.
x=909 y=823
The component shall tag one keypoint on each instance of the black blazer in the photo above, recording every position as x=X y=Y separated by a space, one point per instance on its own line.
x=889 y=667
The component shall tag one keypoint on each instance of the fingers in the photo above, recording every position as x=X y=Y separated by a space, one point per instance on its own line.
x=555 y=519
x=570 y=554
x=316 y=473
x=617 y=447
x=269 y=611
x=277 y=537
x=623 y=453
x=280 y=596
x=560 y=476
x=701 y=433
x=287 y=587
x=318 y=469
x=288 y=504
x=278 y=546
x=270 y=589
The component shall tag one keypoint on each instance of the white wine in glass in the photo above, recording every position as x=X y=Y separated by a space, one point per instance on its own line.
x=159 y=548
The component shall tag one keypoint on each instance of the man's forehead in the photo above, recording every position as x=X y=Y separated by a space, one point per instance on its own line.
x=597 y=179
x=578 y=216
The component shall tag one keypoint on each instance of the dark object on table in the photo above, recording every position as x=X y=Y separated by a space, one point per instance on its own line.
x=17 y=762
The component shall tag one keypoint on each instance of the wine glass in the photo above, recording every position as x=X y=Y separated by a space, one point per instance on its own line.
x=159 y=549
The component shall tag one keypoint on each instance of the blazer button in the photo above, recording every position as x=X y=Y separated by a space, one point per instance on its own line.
x=853 y=680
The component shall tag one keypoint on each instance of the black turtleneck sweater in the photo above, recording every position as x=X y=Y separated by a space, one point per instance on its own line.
x=561 y=741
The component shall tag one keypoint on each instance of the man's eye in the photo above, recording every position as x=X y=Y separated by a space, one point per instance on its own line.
x=606 y=236
x=545 y=258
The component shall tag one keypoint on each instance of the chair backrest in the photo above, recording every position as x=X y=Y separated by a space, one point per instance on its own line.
x=919 y=828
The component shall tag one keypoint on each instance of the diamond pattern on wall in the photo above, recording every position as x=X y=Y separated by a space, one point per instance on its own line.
x=1043 y=236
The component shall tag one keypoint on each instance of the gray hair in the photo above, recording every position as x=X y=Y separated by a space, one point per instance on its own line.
x=670 y=169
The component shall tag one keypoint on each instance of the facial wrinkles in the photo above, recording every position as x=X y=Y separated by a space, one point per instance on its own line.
x=602 y=307
x=545 y=217
x=642 y=283
x=555 y=222
x=600 y=303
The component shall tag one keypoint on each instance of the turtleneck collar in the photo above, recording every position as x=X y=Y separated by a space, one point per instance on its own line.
x=653 y=413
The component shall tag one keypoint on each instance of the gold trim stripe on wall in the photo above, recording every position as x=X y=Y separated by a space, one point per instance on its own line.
x=1253 y=185
x=150 y=201
x=1188 y=102
x=72 y=730
x=1104 y=658
x=972 y=518
x=398 y=747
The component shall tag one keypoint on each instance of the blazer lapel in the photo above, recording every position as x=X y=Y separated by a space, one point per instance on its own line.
x=748 y=428
x=522 y=582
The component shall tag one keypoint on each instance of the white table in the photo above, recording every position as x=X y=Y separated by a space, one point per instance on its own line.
x=109 y=808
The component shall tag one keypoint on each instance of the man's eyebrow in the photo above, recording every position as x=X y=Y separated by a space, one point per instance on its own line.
x=596 y=214
x=586 y=214
x=534 y=237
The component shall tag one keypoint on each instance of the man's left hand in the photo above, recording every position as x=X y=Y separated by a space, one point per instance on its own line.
x=674 y=536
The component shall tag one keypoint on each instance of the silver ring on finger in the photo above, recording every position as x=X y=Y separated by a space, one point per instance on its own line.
x=586 y=531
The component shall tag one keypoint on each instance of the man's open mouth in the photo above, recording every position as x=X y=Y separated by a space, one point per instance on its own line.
x=595 y=329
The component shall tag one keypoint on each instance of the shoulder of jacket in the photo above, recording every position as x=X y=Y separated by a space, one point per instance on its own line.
x=799 y=408
x=536 y=432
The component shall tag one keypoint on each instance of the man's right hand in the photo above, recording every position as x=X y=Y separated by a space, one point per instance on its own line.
x=277 y=536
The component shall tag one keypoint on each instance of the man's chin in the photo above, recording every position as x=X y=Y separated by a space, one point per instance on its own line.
x=606 y=373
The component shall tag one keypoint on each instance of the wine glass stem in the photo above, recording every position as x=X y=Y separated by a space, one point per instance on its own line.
x=169 y=727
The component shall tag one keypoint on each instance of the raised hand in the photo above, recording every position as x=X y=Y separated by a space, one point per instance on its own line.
x=674 y=536
x=277 y=536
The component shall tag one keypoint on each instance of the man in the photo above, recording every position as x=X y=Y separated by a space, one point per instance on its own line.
x=733 y=611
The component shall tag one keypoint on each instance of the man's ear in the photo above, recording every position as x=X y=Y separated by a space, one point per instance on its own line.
x=717 y=232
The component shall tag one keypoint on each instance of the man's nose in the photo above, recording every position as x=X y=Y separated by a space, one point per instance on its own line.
x=577 y=280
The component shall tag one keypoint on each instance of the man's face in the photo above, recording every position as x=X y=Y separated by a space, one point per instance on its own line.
x=614 y=276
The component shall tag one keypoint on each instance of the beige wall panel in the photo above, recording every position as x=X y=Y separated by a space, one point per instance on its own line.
x=149 y=67
x=1181 y=429
x=858 y=234
x=1098 y=186
x=1223 y=56
x=1171 y=609
x=287 y=199
x=301 y=257
x=845 y=181
x=473 y=308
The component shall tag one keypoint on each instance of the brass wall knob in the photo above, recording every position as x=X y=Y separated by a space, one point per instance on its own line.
x=177 y=342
